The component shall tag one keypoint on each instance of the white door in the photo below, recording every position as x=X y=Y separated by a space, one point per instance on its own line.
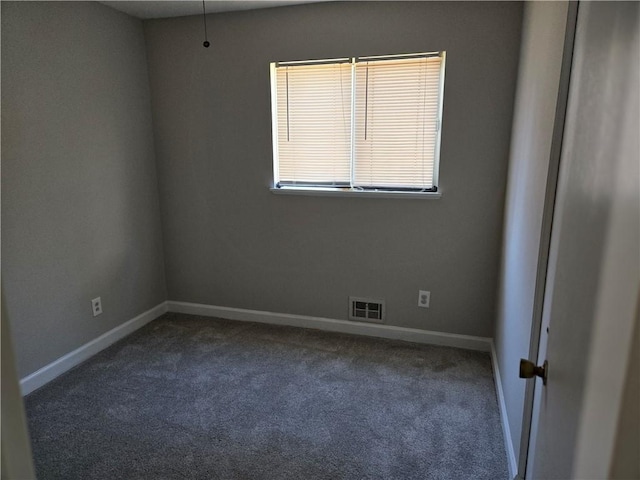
x=15 y=449
x=593 y=278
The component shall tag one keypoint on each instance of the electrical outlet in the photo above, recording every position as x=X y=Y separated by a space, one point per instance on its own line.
x=423 y=298
x=96 y=306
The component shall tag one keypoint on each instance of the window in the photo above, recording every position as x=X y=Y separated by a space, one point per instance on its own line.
x=368 y=124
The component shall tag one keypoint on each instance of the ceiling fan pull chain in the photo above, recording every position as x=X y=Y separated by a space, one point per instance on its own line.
x=204 y=20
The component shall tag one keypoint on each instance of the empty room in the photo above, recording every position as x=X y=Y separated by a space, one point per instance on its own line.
x=320 y=240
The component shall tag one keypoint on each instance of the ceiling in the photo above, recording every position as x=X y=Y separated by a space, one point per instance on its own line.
x=161 y=9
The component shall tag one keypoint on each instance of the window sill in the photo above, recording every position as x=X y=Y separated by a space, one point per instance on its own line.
x=345 y=192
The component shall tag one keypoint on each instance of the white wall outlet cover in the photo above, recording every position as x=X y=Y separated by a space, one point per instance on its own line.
x=424 y=297
x=96 y=306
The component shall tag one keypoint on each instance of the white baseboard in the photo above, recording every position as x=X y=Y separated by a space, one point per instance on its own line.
x=56 y=368
x=506 y=431
x=333 y=325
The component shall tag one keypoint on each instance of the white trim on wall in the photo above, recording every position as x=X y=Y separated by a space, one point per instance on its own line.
x=56 y=368
x=333 y=325
x=502 y=406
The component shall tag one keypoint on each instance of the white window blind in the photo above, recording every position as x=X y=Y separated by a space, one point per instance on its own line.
x=396 y=122
x=368 y=123
x=314 y=124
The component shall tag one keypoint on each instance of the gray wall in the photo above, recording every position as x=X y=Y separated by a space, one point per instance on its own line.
x=80 y=209
x=540 y=64
x=231 y=242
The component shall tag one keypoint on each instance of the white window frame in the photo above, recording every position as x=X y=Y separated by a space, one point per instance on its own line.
x=356 y=191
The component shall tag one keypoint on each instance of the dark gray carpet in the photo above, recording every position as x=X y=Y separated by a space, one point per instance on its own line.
x=201 y=398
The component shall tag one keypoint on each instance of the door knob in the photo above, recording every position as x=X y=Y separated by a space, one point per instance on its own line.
x=529 y=369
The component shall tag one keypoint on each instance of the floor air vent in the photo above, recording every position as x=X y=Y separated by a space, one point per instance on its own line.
x=366 y=310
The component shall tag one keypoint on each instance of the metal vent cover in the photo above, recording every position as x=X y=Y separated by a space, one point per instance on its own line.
x=366 y=310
